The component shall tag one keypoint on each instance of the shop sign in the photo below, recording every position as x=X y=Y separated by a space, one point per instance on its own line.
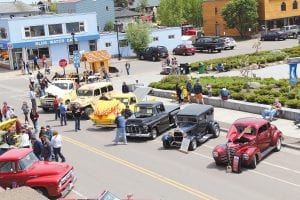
x=54 y=41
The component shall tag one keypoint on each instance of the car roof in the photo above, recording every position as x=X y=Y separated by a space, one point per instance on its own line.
x=247 y=121
x=195 y=109
x=15 y=154
x=94 y=85
x=149 y=103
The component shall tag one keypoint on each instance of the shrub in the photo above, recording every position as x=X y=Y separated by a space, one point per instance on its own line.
x=265 y=99
x=250 y=97
x=293 y=103
x=237 y=96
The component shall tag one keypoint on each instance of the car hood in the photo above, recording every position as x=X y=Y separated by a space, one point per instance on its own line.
x=185 y=127
x=45 y=168
x=56 y=91
x=234 y=135
x=138 y=121
x=83 y=101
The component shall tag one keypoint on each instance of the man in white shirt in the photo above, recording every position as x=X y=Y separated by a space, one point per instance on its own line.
x=33 y=99
x=24 y=140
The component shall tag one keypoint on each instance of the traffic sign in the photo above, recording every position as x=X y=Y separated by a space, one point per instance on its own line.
x=63 y=63
x=76 y=59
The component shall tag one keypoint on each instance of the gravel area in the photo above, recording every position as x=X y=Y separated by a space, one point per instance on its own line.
x=21 y=193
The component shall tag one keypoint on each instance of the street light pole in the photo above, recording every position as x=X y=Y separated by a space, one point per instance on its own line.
x=73 y=39
x=117 y=29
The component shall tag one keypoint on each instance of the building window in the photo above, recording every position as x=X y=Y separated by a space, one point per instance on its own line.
x=107 y=44
x=216 y=10
x=171 y=36
x=75 y=27
x=93 y=45
x=283 y=6
x=123 y=43
x=3 y=33
x=55 y=29
x=155 y=38
x=34 y=31
x=295 y=4
x=72 y=48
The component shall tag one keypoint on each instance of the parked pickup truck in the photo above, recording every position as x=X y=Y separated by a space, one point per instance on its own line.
x=20 y=167
x=209 y=43
x=63 y=88
x=291 y=31
x=150 y=119
x=249 y=141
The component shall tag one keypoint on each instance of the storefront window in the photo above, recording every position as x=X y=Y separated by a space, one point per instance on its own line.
x=75 y=27
x=39 y=52
x=55 y=29
x=34 y=31
x=93 y=45
x=3 y=33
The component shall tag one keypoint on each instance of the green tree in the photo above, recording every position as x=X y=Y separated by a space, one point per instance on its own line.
x=109 y=26
x=138 y=35
x=175 y=12
x=121 y=3
x=240 y=14
x=53 y=7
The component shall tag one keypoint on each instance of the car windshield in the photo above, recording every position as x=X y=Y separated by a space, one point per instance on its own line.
x=186 y=119
x=242 y=128
x=27 y=161
x=142 y=112
x=84 y=92
x=63 y=86
x=123 y=100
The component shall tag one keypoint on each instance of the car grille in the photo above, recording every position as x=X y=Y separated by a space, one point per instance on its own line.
x=178 y=137
x=230 y=153
x=66 y=177
x=133 y=129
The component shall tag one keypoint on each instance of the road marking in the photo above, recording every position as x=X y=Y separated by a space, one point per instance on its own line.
x=79 y=194
x=142 y=170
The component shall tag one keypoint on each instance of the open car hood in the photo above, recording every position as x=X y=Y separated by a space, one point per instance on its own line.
x=56 y=91
x=234 y=135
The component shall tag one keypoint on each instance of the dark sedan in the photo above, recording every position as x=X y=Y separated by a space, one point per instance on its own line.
x=153 y=53
x=184 y=49
x=273 y=36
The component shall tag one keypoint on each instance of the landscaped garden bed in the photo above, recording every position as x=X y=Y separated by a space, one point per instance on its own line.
x=259 y=90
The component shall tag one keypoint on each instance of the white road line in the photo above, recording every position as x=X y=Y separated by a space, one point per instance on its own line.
x=79 y=194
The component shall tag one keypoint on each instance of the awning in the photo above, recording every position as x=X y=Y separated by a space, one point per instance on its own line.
x=96 y=56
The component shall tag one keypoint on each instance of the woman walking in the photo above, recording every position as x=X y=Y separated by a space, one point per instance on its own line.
x=56 y=142
x=25 y=109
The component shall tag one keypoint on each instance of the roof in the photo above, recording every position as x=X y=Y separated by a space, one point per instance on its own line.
x=195 y=109
x=124 y=12
x=15 y=154
x=94 y=85
x=17 y=7
x=149 y=103
x=96 y=56
x=256 y=122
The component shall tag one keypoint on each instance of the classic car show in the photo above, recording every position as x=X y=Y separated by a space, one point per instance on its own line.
x=149 y=100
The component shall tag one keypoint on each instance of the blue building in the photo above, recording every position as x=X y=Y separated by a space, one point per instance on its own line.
x=49 y=35
x=104 y=8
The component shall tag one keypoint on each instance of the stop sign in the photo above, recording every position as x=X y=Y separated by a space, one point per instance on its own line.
x=63 y=63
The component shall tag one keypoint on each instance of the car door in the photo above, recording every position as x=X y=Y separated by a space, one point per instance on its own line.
x=149 y=53
x=262 y=137
x=7 y=174
x=163 y=117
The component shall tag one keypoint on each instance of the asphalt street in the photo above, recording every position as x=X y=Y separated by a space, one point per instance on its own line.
x=143 y=168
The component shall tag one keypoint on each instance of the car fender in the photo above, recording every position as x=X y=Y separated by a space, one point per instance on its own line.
x=221 y=150
x=167 y=137
x=250 y=151
x=276 y=135
x=49 y=183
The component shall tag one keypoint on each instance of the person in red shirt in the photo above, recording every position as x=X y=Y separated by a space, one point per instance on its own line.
x=4 y=110
x=55 y=107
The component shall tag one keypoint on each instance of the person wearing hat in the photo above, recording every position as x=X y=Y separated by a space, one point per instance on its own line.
x=56 y=143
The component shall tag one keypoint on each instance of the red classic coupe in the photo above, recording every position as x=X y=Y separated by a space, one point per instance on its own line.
x=249 y=140
x=184 y=49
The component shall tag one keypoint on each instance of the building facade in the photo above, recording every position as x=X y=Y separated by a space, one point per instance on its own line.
x=49 y=35
x=104 y=8
x=168 y=37
x=272 y=14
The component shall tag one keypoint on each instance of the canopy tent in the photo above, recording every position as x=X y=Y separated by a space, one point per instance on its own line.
x=98 y=60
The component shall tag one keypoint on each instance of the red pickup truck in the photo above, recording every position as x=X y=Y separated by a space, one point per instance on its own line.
x=20 y=167
x=249 y=141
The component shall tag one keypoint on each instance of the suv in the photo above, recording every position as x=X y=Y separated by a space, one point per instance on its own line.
x=209 y=43
x=273 y=35
x=153 y=53
x=229 y=42
x=249 y=141
x=64 y=89
x=89 y=94
x=20 y=167
x=291 y=31
x=195 y=123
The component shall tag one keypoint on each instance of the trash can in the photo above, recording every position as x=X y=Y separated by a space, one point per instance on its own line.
x=187 y=68
x=182 y=68
x=201 y=68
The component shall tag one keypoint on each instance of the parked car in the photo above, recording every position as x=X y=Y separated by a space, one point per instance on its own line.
x=153 y=53
x=20 y=167
x=151 y=118
x=195 y=122
x=273 y=35
x=229 y=42
x=184 y=49
x=249 y=141
x=291 y=31
x=209 y=44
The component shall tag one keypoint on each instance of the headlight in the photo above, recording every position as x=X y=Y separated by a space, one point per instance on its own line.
x=215 y=154
x=245 y=157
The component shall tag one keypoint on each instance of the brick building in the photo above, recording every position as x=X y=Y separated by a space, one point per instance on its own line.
x=272 y=14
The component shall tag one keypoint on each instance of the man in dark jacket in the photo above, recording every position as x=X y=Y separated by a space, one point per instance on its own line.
x=77 y=115
x=37 y=147
x=198 y=92
x=125 y=88
x=189 y=89
x=47 y=148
